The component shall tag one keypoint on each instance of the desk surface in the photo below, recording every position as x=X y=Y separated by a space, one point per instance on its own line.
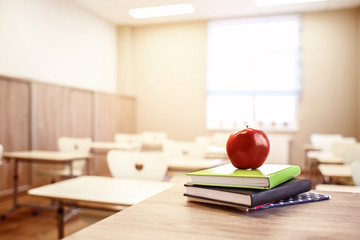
x=335 y=170
x=47 y=156
x=169 y=215
x=114 y=145
x=106 y=190
x=325 y=157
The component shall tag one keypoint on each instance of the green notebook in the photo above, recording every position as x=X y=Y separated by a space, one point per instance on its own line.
x=265 y=177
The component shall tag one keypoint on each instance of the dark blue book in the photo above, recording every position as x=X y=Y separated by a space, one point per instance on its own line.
x=305 y=197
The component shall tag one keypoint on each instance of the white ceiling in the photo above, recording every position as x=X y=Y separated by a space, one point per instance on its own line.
x=116 y=11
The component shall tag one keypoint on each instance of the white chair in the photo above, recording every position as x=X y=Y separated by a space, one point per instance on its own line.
x=69 y=144
x=220 y=139
x=122 y=164
x=204 y=140
x=129 y=138
x=1 y=152
x=355 y=171
x=173 y=149
x=198 y=150
x=324 y=141
x=128 y=141
x=351 y=155
x=153 y=141
x=200 y=147
x=341 y=145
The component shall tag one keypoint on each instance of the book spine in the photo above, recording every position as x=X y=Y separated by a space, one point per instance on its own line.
x=283 y=176
x=280 y=192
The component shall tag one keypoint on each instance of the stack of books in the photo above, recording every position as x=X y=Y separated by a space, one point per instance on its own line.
x=270 y=185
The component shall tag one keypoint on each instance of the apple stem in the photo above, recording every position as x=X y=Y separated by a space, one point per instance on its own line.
x=247 y=126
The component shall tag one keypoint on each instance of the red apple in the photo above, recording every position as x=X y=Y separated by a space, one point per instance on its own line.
x=248 y=148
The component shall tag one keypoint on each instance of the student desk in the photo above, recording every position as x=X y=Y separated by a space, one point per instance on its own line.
x=168 y=215
x=54 y=157
x=98 y=190
x=107 y=146
x=317 y=158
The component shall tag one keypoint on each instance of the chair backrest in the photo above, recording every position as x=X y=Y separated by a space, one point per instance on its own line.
x=122 y=164
x=204 y=140
x=70 y=144
x=153 y=140
x=351 y=155
x=324 y=141
x=151 y=137
x=342 y=145
x=355 y=171
x=127 y=138
x=198 y=150
x=173 y=149
x=220 y=139
x=1 y=152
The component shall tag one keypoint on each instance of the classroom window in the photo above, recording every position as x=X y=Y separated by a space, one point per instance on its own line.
x=253 y=73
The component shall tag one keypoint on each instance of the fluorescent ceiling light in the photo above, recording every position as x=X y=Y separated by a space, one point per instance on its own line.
x=267 y=3
x=160 y=11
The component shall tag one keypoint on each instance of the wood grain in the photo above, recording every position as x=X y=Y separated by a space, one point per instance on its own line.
x=34 y=114
x=113 y=114
x=14 y=129
x=61 y=111
x=170 y=215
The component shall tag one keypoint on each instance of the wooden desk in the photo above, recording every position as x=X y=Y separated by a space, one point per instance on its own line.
x=337 y=188
x=100 y=190
x=317 y=158
x=54 y=157
x=309 y=148
x=169 y=215
x=325 y=157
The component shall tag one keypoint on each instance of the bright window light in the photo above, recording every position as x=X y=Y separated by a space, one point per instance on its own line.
x=253 y=73
x=267 y=3
x=160 y=11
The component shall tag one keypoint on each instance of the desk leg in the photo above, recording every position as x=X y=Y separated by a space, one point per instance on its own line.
x=88 y=166
x=61 y=219
x=71 y=169
x=15 y=195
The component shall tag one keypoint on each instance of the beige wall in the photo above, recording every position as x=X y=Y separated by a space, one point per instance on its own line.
x=169 y=74
x=330 y=77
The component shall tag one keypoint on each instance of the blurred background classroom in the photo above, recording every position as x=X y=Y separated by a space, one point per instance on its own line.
x=85 y=76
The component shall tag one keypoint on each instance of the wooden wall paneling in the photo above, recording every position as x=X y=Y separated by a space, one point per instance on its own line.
x=14 y=130
x=128 y=114
x=107 y=116
x=59 y=111
x=113 y=114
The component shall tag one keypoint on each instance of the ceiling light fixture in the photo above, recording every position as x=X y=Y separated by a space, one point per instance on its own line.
x=268 y=3
x=160 y=11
